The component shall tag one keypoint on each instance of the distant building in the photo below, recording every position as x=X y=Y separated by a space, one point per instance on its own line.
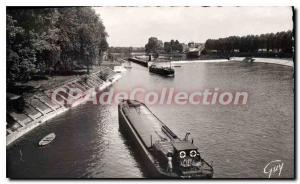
x=196 y=45
x=184 y=47
x=194 y=49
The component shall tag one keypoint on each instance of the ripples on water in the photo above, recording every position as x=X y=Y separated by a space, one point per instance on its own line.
x=240 y=140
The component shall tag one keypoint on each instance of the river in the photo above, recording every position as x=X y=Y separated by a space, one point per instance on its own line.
x=240 y=139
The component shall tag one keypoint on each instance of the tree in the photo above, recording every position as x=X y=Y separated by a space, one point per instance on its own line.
x=153 y=45
x=20 y=57
x=173 y=46
x=40 y=33
x=39 y=39
x=279 y=42
x=167 y=47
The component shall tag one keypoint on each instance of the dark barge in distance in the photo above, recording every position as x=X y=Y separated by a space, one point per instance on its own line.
x=139 y=61
x=165 y=71
x=164 y=154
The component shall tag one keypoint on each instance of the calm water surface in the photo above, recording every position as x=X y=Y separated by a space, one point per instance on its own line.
x=240 y=140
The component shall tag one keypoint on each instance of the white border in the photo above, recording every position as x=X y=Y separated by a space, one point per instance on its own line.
x=152 y=3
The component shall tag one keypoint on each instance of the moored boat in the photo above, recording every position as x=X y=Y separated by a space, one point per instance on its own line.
x=161 y=70
x=128 y=67
x=164 y=154
x=248 y=59
x=47 y=139
x=177 y=66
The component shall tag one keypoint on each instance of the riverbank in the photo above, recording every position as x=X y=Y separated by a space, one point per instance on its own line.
x=39 y=108
x=143 y=60
x=286 y=62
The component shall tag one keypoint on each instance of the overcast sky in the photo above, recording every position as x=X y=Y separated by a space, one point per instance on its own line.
x=132 y=26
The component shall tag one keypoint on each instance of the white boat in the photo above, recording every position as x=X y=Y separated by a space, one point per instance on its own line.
x=127 y=66
x=119 y=69
x=47 y=139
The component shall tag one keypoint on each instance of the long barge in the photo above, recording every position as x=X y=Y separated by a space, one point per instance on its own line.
x=164 y=154
x=139 y=61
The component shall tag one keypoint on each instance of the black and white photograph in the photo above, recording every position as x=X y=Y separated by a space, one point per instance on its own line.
x=150 y=92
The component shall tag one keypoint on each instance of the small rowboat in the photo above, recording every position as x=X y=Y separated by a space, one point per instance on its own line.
x=47 y=139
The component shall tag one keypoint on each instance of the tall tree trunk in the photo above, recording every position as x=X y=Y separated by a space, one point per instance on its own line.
x=88 y=65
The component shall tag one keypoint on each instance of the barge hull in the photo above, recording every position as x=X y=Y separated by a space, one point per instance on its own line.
x=141 y=149
x=162 y=72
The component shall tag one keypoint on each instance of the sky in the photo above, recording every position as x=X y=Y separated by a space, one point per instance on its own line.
x=132 y=26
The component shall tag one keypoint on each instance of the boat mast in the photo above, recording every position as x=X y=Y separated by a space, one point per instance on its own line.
x=171 y=53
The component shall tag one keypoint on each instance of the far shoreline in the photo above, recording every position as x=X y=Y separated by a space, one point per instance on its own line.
x=280 y=61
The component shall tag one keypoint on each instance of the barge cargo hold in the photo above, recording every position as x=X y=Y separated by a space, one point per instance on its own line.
x=164 y=154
